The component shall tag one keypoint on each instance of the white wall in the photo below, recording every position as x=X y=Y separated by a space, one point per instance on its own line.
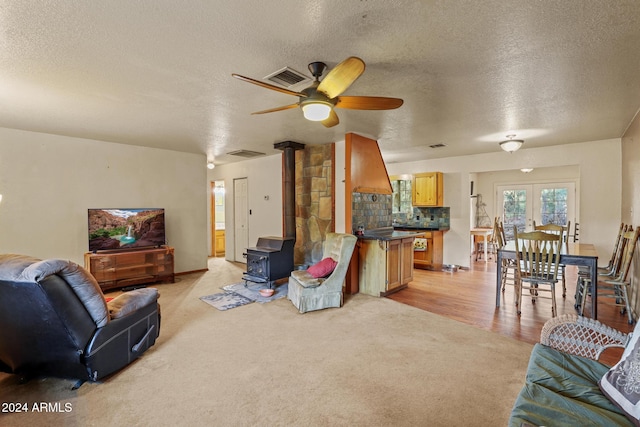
x=600 y=192
x=264 y=178
x=48 y=182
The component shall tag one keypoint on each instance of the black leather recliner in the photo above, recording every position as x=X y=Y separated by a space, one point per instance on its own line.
x=54 y=321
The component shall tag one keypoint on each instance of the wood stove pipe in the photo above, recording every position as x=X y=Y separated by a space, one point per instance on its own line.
x=289 y=184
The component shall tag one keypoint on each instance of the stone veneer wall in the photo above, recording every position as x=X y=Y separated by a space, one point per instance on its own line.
x=314 y=201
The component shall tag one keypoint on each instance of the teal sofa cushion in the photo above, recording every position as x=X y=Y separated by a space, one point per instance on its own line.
x=562 y=390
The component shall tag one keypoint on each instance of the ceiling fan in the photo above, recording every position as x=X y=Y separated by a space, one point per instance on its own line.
x=319 y=100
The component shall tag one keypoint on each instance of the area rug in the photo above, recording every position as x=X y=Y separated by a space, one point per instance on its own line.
x=226 y=300
x=252 y=291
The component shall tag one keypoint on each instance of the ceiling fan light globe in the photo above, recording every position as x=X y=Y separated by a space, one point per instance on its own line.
x=316 y=111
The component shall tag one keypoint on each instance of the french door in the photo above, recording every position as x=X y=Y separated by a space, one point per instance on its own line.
x=520 y=205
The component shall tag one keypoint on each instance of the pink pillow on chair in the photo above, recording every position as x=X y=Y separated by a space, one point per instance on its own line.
x=322 y=268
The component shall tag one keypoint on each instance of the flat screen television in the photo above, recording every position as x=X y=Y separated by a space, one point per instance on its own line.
x=125 y=229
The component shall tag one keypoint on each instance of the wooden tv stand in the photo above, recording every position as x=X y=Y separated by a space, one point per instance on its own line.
x=121 y=269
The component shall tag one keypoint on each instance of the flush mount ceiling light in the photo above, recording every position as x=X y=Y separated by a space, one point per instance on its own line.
x=511 y=145
x=526 y=170
x=210 y=165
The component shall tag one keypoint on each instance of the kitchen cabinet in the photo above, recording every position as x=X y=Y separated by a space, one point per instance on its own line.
x=385 y=266
x=428 y=189
x=428 y=247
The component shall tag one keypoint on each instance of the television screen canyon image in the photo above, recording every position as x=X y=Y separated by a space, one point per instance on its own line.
x=114 y=229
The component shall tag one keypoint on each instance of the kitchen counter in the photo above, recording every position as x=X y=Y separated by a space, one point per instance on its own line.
x=385 y=260
x=419 y=227
x=387 y=233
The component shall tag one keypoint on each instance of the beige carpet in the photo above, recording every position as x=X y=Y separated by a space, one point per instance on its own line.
x=372 y=362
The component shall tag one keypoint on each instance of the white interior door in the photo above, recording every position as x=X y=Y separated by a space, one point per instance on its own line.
x=240 y=216
x=543 y=203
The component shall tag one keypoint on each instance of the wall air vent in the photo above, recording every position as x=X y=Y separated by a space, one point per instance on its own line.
x=245 y=153
x=287 y=77
x=437 y=145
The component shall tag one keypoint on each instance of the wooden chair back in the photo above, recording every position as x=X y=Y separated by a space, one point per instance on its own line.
x=562 y=230
x=618 y=248
x=502 y=233
x=498 y=235
x=631 y=238
x=537 y=255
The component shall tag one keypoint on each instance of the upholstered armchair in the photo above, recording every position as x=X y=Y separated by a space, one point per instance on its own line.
x=56 y=322
x=307 y=292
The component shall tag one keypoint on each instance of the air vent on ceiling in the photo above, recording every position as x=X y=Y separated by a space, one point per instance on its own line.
x=246 y=153
x=287 y=77
x=437 y=145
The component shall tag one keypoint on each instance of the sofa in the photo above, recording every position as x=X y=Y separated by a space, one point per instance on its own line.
x=320 y=286
x=55 y=321
x=566 y=385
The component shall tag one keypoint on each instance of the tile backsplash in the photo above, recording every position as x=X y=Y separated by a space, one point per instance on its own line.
x=427 y=217
x=375 y=211
x=371 y=210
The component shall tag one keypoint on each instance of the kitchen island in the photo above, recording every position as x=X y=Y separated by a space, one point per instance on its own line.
x=385 y=260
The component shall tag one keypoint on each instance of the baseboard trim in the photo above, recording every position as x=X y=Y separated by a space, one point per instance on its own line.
x=203 y=270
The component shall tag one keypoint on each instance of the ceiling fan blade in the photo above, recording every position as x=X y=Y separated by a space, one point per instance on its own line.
x=368 y=103
x=268 y=86
x=332 y=120
x=272 y=110
x=341 y=77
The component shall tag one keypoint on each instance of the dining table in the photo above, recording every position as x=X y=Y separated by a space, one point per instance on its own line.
x=571 y=253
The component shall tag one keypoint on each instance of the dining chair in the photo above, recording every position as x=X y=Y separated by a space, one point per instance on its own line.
x=617 y=250
x=565 y=232
x=562 y=231
x=508 y=266
x=617 y=288
x=537 y=259
x=479 y=241
x=609 y=271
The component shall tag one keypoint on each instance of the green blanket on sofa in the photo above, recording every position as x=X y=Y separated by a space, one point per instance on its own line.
x=562 y=390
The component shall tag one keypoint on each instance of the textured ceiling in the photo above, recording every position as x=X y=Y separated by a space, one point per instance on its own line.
x=157 y=73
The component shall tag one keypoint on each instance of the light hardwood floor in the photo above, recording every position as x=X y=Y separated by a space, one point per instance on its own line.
x=469 y=297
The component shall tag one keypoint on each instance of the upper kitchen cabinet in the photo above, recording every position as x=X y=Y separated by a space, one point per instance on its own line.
x=428 y=189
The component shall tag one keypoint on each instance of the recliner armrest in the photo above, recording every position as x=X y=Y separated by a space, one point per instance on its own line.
x=121 y=341
x=131 y=301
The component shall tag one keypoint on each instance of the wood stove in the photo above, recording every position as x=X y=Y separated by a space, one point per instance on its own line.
x=271 y=259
